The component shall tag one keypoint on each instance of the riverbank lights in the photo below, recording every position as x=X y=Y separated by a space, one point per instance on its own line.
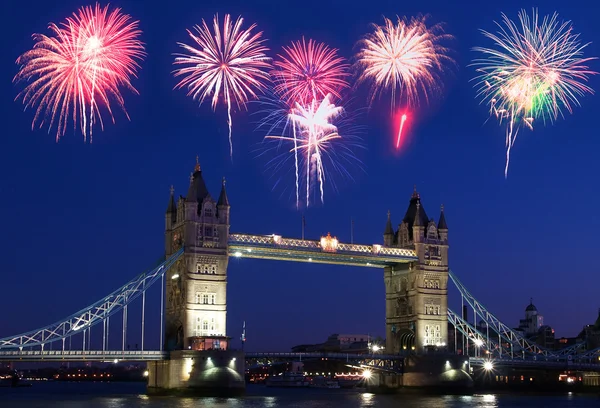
x=367 y=374
x=329 y=243
x=488 y=366
x=146 y=373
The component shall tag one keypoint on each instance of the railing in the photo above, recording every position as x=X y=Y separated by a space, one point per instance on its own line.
x=277 y=241
x=336 y=356
x=79 y=355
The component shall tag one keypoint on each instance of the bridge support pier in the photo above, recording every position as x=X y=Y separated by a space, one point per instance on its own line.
x=203 y=373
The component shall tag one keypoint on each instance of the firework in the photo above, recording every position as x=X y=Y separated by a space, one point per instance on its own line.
x=80 y=67
x=402 y=120
x=535 y=71
x=405 y=57
x=309 y=71
x=229 y=63
x=312 y=132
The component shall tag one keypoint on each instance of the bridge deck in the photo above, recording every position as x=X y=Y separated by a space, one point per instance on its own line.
x=329 y=356
x=327 y=251
x=79 y=355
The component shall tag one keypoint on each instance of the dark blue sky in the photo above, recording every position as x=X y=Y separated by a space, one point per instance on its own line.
x=81 y=219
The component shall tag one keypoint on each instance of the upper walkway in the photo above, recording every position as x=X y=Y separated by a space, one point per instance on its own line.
x=328 y=250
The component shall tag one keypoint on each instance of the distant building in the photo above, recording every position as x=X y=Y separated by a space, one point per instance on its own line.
x=545 y=337
x=591 y=334
x=352 y=343
x=533 y=321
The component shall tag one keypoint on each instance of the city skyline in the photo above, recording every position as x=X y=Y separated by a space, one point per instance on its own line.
x=83 y=219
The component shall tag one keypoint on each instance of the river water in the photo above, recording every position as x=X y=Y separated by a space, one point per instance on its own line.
x=131 y=395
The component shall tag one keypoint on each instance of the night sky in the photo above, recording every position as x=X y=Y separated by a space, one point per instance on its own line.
x=79 y=219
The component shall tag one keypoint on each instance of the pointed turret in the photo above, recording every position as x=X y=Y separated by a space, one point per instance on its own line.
x=171 y=213
x=388 y=234
x=172 y=208
x=442 y=222
x=197 y=191
x=418 y=225
x=223 y=200
x=191 y=195
x=442 y=226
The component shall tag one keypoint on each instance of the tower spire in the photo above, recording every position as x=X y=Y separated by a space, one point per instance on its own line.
x=417 y=222
x=223 y=200
x=388 y=225
x=197 y=167
x=191 y=196
x=442 y=222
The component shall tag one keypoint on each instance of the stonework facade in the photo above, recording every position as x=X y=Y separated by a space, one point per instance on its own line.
x=196 y=287
x=417 y=293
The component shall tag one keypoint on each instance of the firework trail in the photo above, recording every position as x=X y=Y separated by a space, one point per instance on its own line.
x=309 y=71
x=305 y=74
x=402 y=120
x=535 y=70
x=312 y=130
x=80 y=67
x=230 y=63
x=405 y=57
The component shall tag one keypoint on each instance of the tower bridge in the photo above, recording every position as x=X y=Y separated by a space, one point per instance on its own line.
x=194 y=350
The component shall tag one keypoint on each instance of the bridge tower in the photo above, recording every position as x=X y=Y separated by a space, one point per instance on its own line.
x=417 y=293
x=196 y=287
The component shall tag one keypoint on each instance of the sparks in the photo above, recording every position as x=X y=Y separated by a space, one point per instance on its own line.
x=404 y=58
x=533 y=72
x=80 y=68
x=309 y=71
x=229 y=63
x=314 y=136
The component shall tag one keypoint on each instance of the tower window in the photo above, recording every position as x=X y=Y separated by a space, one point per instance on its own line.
x=208 y=212
x=208 y=232
x=213 y=269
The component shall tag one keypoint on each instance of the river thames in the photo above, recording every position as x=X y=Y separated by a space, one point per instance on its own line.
x=128 y=395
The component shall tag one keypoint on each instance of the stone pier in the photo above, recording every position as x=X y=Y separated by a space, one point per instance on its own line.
x=202 y=373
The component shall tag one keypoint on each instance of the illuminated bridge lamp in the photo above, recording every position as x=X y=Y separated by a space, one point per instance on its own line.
x=367 y=374
x=277 y=239
x=488 y=366
x=329 y=243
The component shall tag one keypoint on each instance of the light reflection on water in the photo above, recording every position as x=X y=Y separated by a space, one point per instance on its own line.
x=104 y=395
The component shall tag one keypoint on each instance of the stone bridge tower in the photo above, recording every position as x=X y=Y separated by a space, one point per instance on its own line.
x=417 y=293
x=196 y=287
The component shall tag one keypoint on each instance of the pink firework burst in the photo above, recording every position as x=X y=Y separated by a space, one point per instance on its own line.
x=229 y=63
x=80 y=67
x=309 y=71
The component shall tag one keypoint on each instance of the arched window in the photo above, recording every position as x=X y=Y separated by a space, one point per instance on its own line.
x=208 y=212
x=205 y=325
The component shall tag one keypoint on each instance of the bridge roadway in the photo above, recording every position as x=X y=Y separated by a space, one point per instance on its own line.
x=535 y=364
x=112 y=355
x=328 y=251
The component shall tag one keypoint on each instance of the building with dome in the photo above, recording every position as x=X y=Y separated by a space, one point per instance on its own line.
x=533 y=321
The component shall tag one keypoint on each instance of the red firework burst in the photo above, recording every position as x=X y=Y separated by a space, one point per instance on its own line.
x=309 y=71
x=81 y=67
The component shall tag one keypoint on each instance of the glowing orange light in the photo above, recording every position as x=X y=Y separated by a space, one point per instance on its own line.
x=329 y=243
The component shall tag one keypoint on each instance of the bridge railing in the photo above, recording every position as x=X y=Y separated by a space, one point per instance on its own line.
x=276 y=241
